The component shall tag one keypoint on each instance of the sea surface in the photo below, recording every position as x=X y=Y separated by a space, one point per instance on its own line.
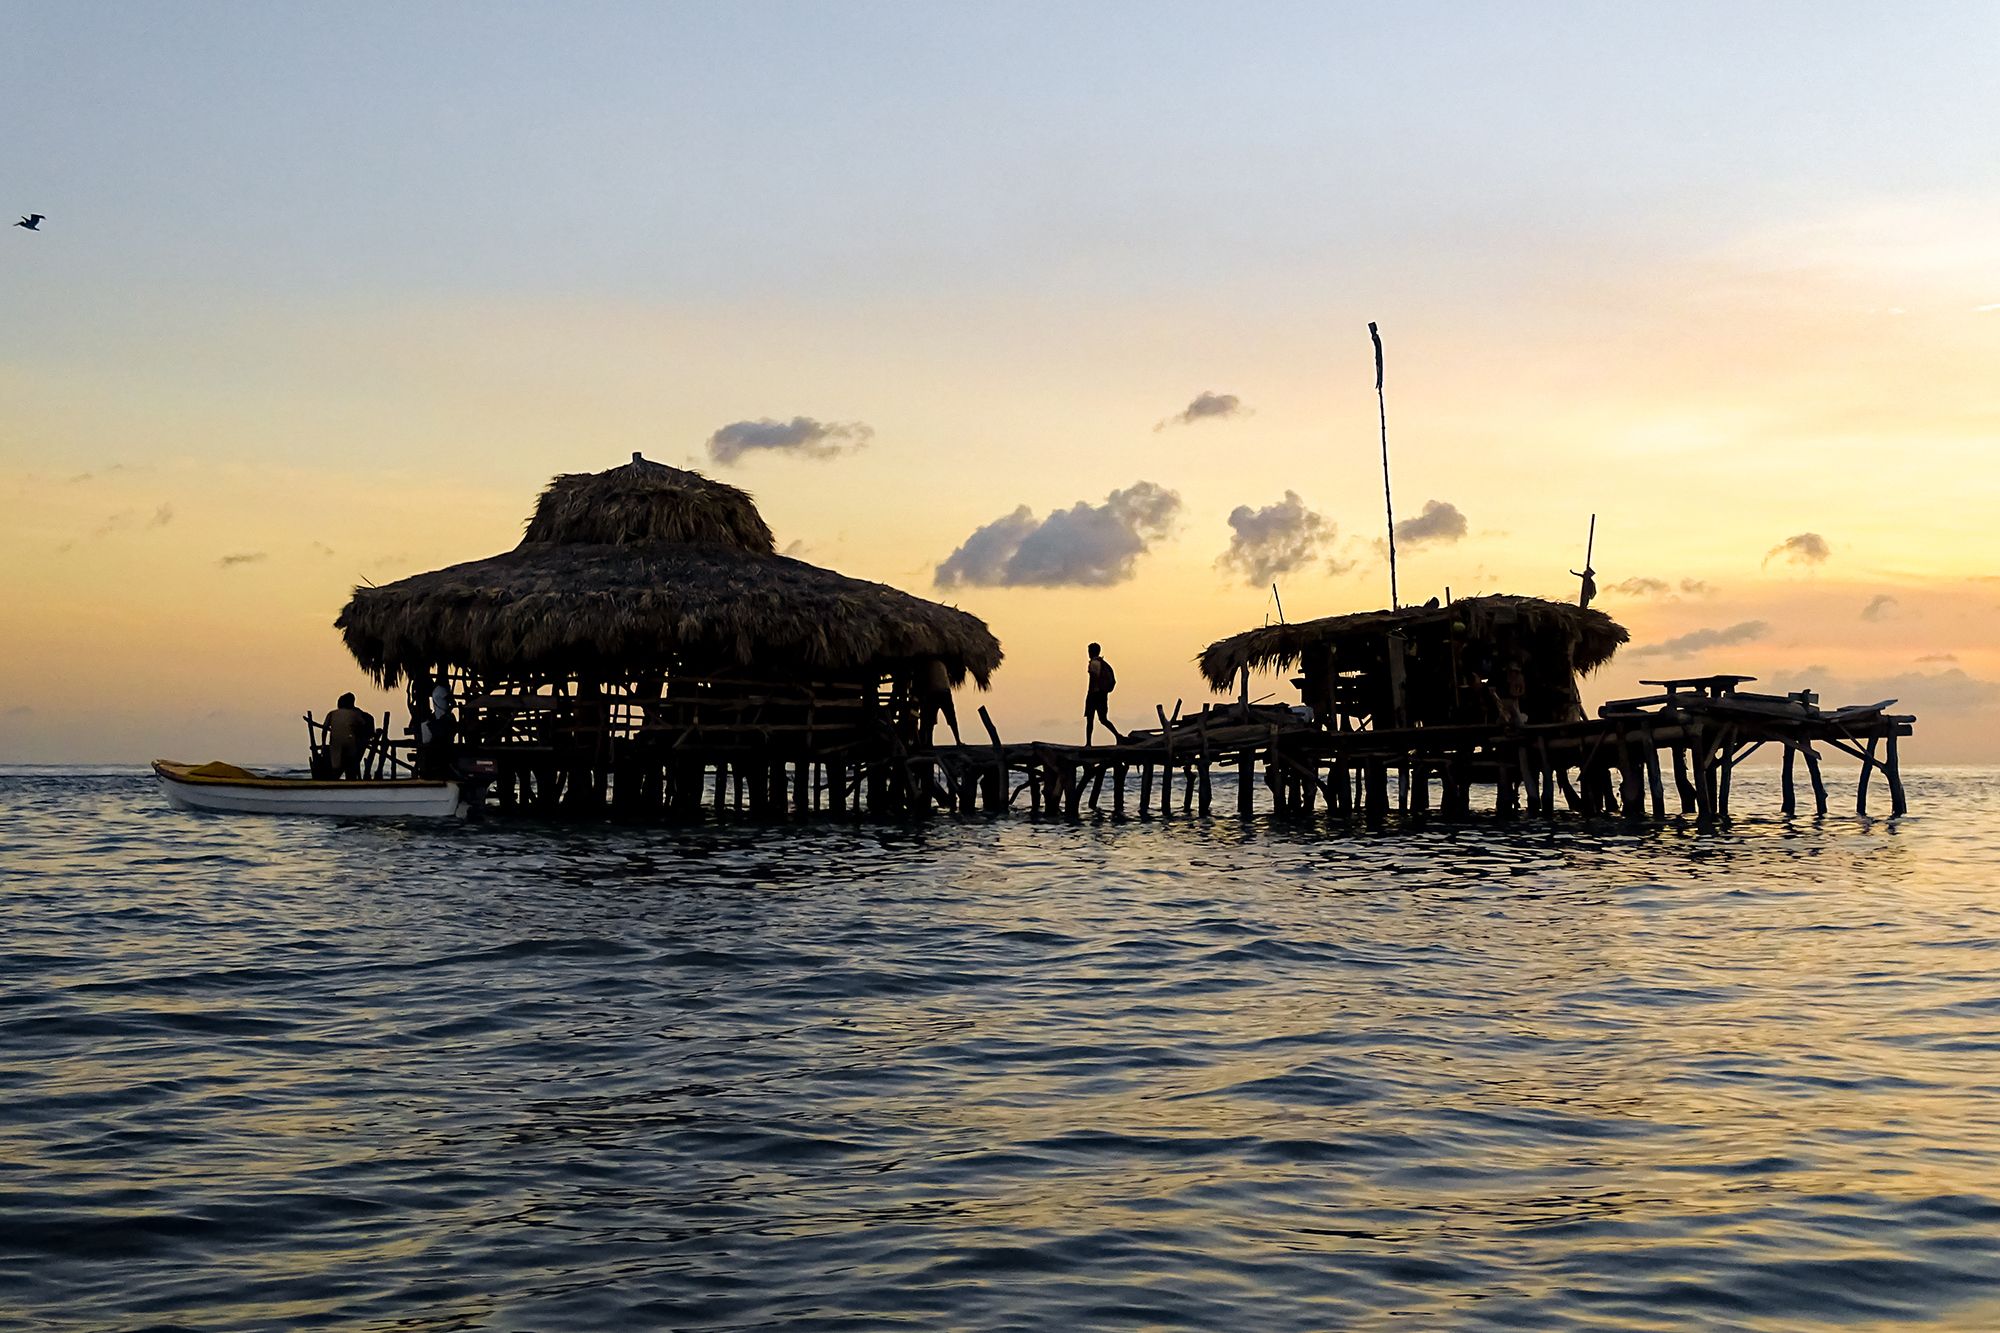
x=269 y=1074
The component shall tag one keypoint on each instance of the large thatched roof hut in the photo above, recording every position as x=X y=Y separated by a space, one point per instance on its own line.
x=647 y=567
x=645 y=632
x=1430 y=665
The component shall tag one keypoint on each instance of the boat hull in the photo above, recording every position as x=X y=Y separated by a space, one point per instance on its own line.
x=253 y=794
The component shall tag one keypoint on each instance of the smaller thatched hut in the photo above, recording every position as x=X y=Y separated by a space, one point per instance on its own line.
x=646 y=622
x=1463 y=663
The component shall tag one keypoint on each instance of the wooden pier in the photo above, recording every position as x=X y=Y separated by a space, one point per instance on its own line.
x=1695 y=735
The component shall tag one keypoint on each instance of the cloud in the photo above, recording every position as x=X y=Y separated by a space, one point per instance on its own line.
x=1084 y=546
x=242 y=558
x=161 y=516
x=1938 y=657
x=1274 y=540
x=18 y=711
x=1950 y=690
x=1440 y=522
x=1207 y=406
x=1696 y=640
x=796 y=549
x=1644 y=586
x=322 y=548
x=1807 y=548
x=801 y=435
x=1879 y=607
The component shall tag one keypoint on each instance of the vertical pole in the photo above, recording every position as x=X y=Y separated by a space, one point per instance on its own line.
x=1789 y=799
x=1812 y=771
x=1166 y=769
x=996 y=793
x=1388 y=505
x=1867 y=771
x=1654 y=782
x=1894 y=772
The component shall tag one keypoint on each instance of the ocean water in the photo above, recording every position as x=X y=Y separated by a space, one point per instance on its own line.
x=262 y=1074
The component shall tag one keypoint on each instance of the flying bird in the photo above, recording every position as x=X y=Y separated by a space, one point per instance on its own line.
x=33 y=222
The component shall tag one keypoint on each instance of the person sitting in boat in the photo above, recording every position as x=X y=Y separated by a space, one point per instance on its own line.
x=348 y=731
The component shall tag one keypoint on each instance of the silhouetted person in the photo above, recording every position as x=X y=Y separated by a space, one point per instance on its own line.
x=348 y=730
x=1589 y=577
x=33 y=222
x=1097 y=702
x=934 y=696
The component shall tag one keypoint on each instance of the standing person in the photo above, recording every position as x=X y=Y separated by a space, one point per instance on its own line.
x=348 y=730
x=1589 y=592
x=934 y=697
x=1096 y=702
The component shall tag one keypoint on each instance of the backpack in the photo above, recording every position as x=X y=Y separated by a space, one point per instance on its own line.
x=1107 y=679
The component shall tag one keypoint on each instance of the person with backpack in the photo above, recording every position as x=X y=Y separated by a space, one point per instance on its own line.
x=1096 y=703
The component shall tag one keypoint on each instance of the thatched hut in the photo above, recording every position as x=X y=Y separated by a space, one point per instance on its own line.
x=645 y=613
x=1466 y=662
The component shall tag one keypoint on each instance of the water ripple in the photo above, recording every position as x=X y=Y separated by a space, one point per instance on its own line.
x=265 y=1073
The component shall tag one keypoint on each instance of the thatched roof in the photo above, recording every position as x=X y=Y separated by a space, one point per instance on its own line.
x=648 y=566
x=1592 y=636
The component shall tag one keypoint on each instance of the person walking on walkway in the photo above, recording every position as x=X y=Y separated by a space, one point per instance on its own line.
x=1097 y=701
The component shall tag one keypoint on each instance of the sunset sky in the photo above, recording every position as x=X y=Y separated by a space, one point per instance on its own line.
x=325 y=294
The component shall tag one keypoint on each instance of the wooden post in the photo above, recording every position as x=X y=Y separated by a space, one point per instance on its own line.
x=1812 y=772
x=996 y=791
x=1654 y=782
x=1867 y=771
x=1118 y=791
x=1697 y=756
x=1166 y=769
x=1725 y=771
x=1894 y=772
x=1690 y=800
x=1145 y=788
x=1788 y=801
x=1377 y=802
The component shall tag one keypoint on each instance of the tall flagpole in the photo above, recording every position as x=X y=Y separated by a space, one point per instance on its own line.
x=1388 y=504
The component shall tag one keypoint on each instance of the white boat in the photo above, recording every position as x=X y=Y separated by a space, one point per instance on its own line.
x=226 y=789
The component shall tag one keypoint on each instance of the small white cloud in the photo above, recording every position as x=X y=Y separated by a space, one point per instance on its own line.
x=1084 y=546
x=802 y=436
x=1207 y=406
x=1806 y=548
x=1439 y=522
x=1696 y=640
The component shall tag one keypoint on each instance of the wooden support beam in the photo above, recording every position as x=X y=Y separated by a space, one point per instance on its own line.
x=1166 y=769
x=996 y=791
x=1689 y=800
x=1788 y=795
x=1654 y=782
x=1867 y=771
x=1893 y=770
x=1818 y=782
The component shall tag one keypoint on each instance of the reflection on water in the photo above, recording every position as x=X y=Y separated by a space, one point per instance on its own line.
x=260 y=1073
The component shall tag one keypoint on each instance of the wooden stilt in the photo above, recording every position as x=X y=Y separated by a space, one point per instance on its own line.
x=1689 y=799
x=1867 y=771
x=1811 y=757
x=1894 y=772
x=1655 y=783
x=1788 y=795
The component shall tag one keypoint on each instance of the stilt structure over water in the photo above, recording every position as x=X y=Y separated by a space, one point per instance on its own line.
x=644 y=652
